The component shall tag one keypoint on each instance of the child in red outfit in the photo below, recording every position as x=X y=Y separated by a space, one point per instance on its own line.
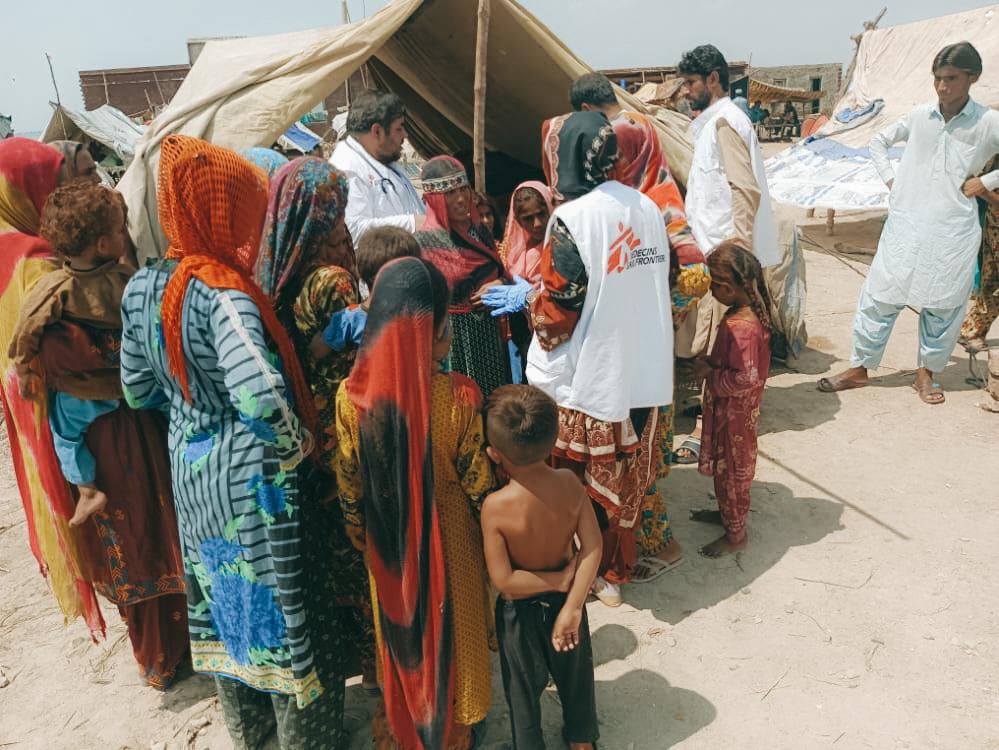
x=735 y=374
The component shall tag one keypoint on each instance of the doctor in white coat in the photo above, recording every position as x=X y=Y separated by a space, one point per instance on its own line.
x=379 y=194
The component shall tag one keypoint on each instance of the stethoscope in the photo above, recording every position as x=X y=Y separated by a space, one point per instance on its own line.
x=382 y=180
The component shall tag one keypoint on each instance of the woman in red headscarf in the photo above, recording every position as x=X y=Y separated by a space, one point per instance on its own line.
x=128 y=552
x=454 y=239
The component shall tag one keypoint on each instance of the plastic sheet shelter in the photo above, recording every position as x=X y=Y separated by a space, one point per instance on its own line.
x=245 y=92
x=106 y=125
x=833 y=169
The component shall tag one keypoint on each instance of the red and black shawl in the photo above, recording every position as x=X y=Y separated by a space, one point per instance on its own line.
x=390 y=388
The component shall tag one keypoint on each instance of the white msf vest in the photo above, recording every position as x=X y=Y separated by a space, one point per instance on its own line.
x=709 y=197
x=620 y=354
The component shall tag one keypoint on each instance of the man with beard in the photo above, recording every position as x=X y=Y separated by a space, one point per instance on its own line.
x=380 y=194
x=727 y=195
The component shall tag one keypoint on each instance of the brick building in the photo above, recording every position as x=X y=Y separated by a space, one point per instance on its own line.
x=634 y=78
x=824 y=78
x=137 y=92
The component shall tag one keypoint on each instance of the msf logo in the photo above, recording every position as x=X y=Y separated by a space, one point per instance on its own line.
x=621 y=249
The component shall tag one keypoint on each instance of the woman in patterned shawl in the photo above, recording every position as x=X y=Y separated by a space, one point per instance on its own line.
x=617 y=460
x=455 y=241
x=267 y=159
x=413 y=473
x=197 y=336
x=642 y=165
x=112 y=553
x=307 y=267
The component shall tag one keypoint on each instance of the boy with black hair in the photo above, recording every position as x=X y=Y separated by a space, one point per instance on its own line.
x=543 y=547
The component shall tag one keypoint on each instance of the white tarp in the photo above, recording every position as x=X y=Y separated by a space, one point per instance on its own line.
x=893 y=64
x=244 y=92
x=106 y=125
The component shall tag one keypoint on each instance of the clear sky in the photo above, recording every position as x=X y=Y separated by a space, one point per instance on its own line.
x=604 y=33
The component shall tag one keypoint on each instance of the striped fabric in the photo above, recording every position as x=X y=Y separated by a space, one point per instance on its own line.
x=234 y=448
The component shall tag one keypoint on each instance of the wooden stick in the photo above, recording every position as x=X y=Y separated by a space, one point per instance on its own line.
x=345 y=19
x=479 y=122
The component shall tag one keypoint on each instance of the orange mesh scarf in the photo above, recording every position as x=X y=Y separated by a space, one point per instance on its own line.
x=212 y=206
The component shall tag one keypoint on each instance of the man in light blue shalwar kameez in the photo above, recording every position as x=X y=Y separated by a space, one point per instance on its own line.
x=928 y=250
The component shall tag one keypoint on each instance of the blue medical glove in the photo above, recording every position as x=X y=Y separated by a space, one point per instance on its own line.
x=508 y=298
x=345 y=327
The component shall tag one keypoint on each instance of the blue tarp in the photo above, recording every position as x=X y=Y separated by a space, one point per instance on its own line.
x=827 y=148
x=303 y=138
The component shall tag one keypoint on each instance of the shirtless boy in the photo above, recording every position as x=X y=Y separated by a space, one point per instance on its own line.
x=542 y=547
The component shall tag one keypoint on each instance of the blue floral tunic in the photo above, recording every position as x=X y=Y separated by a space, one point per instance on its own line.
x=233 y=450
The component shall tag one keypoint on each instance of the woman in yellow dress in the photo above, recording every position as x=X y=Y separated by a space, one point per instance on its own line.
x=413 y=472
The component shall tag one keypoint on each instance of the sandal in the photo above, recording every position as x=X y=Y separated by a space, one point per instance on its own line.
x=608 y=593
x=657 y=568
x=838 y=383
x=931 y=394
x=693 y=446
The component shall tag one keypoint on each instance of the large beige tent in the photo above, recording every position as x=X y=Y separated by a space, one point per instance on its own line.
x=244 y=92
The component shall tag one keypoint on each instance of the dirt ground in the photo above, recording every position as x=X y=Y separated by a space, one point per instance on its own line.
x=863 y=614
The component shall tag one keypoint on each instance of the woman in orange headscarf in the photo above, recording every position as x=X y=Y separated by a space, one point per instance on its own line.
x=199 y=335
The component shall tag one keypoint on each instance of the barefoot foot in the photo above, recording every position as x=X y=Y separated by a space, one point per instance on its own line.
x=91 y=501
x=721 y=547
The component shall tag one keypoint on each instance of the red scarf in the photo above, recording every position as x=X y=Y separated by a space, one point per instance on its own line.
x=390 y=388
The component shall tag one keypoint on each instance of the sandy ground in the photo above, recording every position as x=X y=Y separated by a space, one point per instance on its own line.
x=863 y=615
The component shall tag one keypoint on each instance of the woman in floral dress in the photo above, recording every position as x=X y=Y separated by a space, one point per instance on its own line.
x=198 y=334
x=308 y=268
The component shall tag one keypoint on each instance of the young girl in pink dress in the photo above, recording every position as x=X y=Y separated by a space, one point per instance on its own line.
x=735 y=374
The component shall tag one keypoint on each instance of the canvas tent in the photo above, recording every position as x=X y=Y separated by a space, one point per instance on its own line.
x=768 y=93
x=833 y=168
x=244 y=92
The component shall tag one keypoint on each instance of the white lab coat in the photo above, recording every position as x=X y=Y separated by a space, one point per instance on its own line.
x=379 y=195
x=929 y=246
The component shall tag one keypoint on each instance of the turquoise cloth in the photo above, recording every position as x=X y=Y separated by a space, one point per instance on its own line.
x=69 y=418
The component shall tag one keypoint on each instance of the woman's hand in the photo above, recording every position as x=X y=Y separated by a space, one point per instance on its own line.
x=476 y=299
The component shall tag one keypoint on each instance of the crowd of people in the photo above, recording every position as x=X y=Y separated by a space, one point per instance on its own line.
x=340 y=415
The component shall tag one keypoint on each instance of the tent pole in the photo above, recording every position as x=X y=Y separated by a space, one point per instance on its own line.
x=868 y=26
x=345 y=18
x=479 y=124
